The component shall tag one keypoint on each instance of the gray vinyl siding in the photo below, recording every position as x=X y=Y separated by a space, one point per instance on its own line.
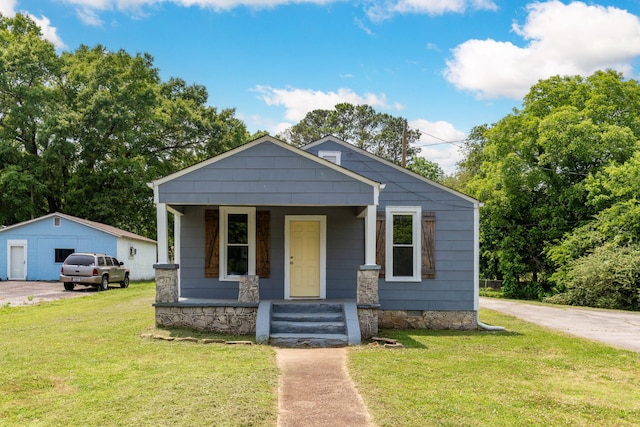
x=345 y=253
x=266 y=174
x=453 y=287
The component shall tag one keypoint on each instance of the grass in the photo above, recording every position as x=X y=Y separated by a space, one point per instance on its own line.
x=526 y=376
x=83 y=362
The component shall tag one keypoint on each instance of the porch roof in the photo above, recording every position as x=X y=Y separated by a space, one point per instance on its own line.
x=266 y=172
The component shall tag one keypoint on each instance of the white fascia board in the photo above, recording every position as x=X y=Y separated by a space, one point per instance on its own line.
x=387 y=162
x=274 y=141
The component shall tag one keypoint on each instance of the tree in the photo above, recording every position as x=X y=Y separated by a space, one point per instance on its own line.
x=360 y=125
x=534 y=166
x=426 y=168
x=82 y=133
x=29 y=68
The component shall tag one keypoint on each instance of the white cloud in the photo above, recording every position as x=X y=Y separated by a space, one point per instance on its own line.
x=298 y=102
x=562 y=39
x=48 y=32
x=440 y=142
x=89 y=17
x=8 y=7
x=384 y=9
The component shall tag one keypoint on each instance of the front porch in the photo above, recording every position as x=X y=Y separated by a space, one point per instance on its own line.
x=290 y=323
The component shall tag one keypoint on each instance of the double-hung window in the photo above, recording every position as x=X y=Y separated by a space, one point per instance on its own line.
x=403 y=246
x=238 y=242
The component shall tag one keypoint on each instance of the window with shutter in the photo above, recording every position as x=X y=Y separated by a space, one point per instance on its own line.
x=405 y=244
x=237 y=242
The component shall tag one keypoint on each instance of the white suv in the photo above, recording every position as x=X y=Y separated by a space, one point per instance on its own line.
x=90 y=269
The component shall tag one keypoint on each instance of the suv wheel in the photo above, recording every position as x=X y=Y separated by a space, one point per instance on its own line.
x=69 y=286
x=125 y=282
x=104 y=285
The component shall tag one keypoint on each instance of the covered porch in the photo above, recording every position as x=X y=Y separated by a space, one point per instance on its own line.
x=262 y=223
x=289 y=323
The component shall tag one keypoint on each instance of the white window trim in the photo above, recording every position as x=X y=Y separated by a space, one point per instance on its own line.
x=416 y=213
x=251 y=217
x=57 y=221
x=11 y=243
x=326 y=153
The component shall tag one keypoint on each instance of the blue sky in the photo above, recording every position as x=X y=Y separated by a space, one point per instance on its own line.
x=445 y=65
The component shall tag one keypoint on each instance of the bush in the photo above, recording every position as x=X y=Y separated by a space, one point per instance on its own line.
x=609 y=277
x=523 y=290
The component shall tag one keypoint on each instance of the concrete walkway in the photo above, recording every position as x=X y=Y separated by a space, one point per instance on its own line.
x=614 y=327
x=316 y=390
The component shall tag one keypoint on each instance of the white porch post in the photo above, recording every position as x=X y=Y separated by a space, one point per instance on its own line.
x=177 y=220
x=163 y=233
x=370 y=235
x=476 y=255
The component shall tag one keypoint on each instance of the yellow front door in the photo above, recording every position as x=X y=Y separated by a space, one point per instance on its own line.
x=304 y=259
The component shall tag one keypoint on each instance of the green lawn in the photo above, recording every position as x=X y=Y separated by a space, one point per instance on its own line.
x=82 y=362
x=527 y=376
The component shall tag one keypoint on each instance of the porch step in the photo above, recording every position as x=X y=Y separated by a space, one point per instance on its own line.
x=308 y=325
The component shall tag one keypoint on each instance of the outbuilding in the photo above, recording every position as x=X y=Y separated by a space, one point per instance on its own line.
x=36 y=249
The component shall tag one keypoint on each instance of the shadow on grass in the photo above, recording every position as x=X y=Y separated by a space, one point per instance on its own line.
x=406 y=336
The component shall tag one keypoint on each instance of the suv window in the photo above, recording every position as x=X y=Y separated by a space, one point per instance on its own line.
x=101 y=261
x=86 y=260
x=109 y=260
x=116 y=262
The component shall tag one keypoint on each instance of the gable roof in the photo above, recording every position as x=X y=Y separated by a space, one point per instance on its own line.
x=251 y=144
x=114 y=231
x=390 y=164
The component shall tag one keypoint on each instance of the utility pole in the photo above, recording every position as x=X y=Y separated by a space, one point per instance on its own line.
x=404 y=144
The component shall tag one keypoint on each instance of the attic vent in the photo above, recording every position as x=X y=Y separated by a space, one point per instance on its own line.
x=56 y=221
x=332 y=156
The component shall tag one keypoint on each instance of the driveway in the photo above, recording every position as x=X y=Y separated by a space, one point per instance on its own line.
x=16 y=293
x=617 y=328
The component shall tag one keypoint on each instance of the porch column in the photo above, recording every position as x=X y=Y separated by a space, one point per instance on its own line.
x=367 y=300
x=177 y=241
x=163 y=233
x=177 y=235
x=370 y=236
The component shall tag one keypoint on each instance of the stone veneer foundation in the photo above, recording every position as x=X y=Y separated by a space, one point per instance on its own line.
x=239 y=317
x=234 y=318
x=428 y=319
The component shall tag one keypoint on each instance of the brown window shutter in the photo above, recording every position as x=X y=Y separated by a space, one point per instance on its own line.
x=212 y=243
x=263 y=243
x=380 y=241
x=428 y=245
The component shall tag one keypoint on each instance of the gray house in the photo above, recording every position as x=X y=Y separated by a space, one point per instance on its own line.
x=267 y=233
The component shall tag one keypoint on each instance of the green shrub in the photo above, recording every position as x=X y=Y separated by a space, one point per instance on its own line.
x=609 y=277
x=523 y=290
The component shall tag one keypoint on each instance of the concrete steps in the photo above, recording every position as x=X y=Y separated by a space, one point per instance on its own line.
x=308 y=324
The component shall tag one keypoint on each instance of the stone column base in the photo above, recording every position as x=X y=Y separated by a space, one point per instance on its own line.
x=166 y=283
x=249 y=290
x=368 y=319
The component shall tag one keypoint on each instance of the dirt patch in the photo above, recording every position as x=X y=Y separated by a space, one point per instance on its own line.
x=18 y=293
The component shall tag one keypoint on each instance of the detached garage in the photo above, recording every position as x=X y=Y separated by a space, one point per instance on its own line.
x=36 y=249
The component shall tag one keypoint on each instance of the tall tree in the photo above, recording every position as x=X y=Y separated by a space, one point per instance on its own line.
x=360 y=125
x=82 y=133
x=29 y=69
x=534 y=166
